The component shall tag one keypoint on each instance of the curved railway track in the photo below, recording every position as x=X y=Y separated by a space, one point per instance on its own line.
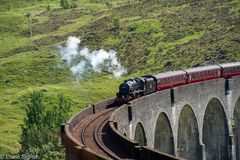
x=94 y=136
x=98 y=133
x=93 y=133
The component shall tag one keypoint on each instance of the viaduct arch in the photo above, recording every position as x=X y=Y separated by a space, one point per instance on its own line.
x=188 y=134
x=236 y=127
x=215 y=131
x=140 y=135
x=163 y=137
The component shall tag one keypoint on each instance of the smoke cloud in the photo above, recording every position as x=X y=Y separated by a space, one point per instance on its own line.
x=82 y=61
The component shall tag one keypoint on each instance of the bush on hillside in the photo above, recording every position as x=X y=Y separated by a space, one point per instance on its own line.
x=116 y=23
x=64 y=4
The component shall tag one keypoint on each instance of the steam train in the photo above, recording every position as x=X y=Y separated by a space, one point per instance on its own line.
x=137 y=87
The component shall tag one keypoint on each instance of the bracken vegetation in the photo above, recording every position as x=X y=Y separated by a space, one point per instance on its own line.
x=149 y=36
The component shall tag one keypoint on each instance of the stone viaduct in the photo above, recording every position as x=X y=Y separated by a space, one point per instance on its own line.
x=196 y=121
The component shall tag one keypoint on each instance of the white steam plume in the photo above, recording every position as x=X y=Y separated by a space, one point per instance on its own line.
x=82 y=61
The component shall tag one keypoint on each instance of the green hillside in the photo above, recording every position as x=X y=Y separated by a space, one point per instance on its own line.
x=149 y=36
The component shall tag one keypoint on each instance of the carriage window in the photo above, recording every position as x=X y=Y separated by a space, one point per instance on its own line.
x=196 y=75
x=210 y=73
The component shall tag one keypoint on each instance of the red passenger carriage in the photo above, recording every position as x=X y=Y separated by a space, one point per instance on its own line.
x=170 y=79
x=203 y=73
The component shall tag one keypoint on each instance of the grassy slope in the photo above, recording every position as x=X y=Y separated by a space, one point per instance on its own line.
x=153 y=36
